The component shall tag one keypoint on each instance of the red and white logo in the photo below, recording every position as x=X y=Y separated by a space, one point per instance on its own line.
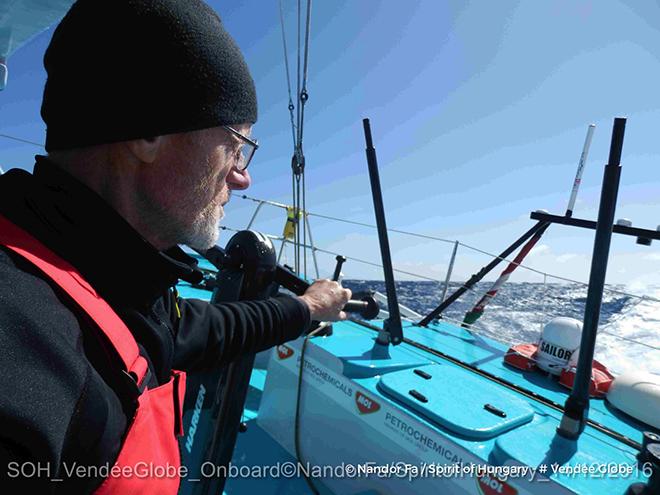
x=490 y=485
x=284 y=352
x=366 y=405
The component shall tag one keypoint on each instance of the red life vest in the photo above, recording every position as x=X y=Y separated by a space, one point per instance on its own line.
x=149 y=461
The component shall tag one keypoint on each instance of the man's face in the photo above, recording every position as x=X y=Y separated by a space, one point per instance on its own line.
x=193 y=182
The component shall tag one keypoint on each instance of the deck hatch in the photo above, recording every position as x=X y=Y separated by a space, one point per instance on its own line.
x=458 y=400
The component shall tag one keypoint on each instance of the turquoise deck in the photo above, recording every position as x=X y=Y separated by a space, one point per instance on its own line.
x=527 y=442
x=487 y=354
x=539 y=434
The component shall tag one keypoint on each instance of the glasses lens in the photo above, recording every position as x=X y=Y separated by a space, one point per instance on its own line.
x=246 y=154
x=246 y=150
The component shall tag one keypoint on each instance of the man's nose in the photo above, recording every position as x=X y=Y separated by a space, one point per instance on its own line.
x=238 y=179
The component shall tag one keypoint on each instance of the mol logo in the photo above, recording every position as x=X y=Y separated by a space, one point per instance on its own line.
x=490 y=485
x=284 y=352
x=366 y=405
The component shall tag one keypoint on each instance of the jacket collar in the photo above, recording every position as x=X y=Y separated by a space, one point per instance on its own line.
x=82 y=228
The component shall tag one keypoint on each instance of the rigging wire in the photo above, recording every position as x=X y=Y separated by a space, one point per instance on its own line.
x=303 y=99
x=440 y=239
x=298 y=159
x=495 y=335
x=298 y=75
x=304 y=227
x=291 y=107
x=21 y=140
x=299 y=173
x=298 y=169
x=303 y=95
x=328 y=217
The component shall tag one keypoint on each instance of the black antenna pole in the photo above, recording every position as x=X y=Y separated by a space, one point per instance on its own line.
x=392 y=331
x=576 y=408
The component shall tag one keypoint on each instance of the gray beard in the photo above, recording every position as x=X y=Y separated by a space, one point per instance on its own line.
x=204 y=231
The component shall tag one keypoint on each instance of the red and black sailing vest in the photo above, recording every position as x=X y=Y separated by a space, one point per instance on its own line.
x=149 y=461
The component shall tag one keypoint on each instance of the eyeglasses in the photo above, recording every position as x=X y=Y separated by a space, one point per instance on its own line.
x=246 y=150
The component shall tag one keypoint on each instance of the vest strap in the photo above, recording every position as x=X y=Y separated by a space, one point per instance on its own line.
x=65 y=276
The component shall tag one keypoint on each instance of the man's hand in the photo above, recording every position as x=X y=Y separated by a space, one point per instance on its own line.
x=325 y=299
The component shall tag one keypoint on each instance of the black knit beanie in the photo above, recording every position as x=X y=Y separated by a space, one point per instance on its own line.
x=129 y=69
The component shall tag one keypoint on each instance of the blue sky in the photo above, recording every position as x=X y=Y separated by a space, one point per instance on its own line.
x=479 y=111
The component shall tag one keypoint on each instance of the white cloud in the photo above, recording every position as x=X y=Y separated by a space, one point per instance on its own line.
x=540 y=249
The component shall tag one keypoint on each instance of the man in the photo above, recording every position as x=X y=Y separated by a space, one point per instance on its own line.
x=149 y=107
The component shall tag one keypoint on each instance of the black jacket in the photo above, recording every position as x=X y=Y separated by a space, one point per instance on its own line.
x=59 y=403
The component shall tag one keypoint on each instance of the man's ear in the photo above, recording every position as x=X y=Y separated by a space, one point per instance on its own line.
x=145 y=150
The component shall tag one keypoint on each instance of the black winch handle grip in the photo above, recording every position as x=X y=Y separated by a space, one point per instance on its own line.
x=340 y=261
x=368 y=307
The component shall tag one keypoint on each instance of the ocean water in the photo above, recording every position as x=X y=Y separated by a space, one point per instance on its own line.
x=629 y=328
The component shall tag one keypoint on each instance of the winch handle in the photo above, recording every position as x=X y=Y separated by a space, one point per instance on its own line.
x=367 y=307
